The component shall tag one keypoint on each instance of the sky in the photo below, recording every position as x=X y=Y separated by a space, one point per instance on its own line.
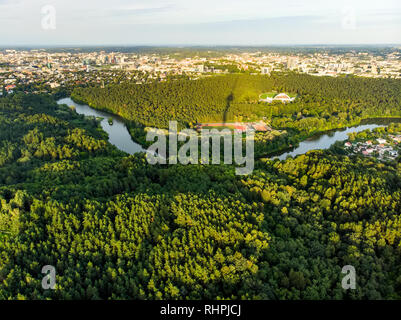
x=201 y=22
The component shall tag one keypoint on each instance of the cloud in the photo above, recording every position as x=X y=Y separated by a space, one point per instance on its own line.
x=200 y=22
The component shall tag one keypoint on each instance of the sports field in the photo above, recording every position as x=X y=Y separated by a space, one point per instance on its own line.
x=268 y=95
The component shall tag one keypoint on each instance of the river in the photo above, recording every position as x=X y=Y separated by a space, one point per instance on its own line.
x=120 y=137
x=323 y=141
x=118 y=132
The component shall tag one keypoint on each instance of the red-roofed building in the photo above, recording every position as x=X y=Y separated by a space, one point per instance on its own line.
x=10 y=87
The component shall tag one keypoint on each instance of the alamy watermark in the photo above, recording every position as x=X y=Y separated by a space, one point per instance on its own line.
x=49 y=280
x=48 y=21
x=189 y=151
x=348 y=21
x=349 y=280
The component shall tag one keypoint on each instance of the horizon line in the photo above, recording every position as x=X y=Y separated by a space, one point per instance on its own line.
x=4 y=46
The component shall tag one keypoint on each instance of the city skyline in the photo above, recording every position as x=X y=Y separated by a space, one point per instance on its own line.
x=191 y=23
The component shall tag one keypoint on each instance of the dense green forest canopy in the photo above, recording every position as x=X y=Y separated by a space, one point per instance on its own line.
x=232 y=97
x=323 y=103
x=116 y=227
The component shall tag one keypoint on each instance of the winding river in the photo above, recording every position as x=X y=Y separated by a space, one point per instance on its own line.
x=120 y=137
x=118 y=132
x=324 y=140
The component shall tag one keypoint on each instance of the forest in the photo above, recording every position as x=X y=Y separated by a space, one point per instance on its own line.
x=323 y=103
x=115 y=227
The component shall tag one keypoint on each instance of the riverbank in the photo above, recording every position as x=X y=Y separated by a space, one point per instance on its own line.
x=117 y=131
x=123 y=138
x=364 y=124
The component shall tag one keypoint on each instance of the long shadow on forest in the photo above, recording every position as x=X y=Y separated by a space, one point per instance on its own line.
x=229 y=100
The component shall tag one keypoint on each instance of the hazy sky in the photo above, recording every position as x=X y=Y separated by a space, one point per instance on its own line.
x=203 y=22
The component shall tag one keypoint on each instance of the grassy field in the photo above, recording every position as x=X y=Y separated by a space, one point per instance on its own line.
x=268 y=95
